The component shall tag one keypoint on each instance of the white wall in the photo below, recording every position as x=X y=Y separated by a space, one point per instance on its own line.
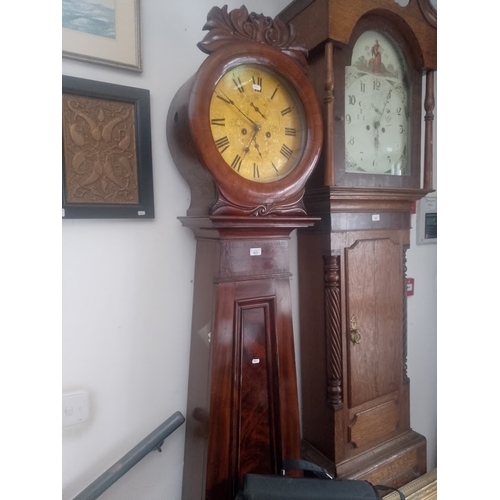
x=422 y=324
x=127 y=291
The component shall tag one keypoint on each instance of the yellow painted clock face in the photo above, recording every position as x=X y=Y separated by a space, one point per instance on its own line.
x=258 y=123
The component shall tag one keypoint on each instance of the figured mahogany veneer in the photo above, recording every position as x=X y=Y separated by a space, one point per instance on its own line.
x=242 y=413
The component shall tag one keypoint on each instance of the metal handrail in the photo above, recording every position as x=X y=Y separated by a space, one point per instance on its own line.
x=152 y=442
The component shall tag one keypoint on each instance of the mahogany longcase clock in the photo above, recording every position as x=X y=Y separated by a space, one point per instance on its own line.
x=368 y=59
x=245 y=132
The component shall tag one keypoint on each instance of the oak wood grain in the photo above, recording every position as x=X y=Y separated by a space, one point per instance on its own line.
x=365 y=224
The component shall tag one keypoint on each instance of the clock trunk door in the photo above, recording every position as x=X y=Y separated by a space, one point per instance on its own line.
x=256 y=410
x=374 y=319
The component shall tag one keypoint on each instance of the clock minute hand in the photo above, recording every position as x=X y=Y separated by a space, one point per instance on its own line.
x=247 y=148
x=230 y=101
x=380 y=113
x=257 y=109
x=376 y=123
x=386 y=101
x=376 y=139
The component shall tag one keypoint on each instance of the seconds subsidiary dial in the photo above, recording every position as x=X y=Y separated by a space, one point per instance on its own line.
x=376 y=108
x=257 y=123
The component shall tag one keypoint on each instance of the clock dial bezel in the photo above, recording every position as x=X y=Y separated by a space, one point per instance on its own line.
x=258 y=123
x=343 y=57
x=230 y=183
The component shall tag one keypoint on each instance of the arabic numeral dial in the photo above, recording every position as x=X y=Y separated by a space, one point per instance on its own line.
x=376 y=125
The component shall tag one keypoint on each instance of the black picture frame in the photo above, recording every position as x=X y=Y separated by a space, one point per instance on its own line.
x=142 y=204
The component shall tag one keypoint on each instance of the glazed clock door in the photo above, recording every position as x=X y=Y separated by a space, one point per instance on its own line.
x=377 y=108
x=374 y=316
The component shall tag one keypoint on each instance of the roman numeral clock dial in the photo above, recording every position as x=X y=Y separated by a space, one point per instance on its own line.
x=257 y=123
x=249 y=118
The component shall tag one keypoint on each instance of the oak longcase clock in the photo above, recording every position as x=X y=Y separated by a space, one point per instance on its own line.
x=368 y=62
x=245 y=132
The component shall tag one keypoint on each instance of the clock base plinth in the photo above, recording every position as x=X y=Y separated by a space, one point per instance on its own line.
x=394 y=463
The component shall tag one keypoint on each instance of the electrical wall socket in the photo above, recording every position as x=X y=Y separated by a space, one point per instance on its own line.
x=75 y=408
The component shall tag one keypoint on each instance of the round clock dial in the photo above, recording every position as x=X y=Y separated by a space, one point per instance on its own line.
x=376 y=108
x=258 y=123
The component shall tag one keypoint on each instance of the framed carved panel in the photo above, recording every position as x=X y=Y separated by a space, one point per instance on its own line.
x=106 y=145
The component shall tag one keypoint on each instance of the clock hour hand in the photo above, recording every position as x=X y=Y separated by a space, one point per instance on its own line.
x=376 y=109
x=380 y=113
x=230 y=101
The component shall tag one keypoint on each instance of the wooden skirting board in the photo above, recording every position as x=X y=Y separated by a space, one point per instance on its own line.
x=422 y=488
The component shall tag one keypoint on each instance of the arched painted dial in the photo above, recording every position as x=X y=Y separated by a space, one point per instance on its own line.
x=257 y=123
x=376 y=107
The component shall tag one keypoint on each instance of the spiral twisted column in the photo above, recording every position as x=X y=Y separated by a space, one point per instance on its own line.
x=405 y=321
x=333 y=331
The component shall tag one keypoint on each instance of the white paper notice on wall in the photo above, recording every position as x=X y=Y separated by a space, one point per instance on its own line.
x=427 y=220
x=255 y=251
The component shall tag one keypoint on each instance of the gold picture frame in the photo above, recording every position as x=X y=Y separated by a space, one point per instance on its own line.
x=103 y=32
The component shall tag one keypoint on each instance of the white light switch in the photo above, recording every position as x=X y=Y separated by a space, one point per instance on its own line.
x=75 y=408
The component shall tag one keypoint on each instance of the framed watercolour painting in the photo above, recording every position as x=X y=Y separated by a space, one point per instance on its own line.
x=106 y=146
x=102 y=31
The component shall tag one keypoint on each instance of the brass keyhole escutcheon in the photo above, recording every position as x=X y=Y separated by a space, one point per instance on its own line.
x=354 y=332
